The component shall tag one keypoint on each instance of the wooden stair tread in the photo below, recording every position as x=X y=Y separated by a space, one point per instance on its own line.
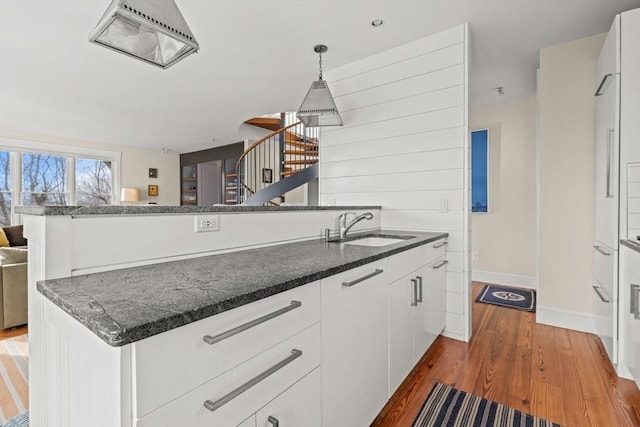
x=271 y=123
x=307 y=145
x=301 y=162
x=302 y=152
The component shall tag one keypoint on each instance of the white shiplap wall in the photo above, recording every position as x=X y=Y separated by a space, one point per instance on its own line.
x=404 y=145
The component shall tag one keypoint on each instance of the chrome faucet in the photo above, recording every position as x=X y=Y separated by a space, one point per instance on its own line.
x=344 y=227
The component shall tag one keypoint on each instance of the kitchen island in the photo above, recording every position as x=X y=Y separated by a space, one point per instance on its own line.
x=119 y=330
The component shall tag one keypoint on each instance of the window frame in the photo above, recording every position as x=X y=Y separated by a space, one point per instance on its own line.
x=488 y=170
x=16 y=147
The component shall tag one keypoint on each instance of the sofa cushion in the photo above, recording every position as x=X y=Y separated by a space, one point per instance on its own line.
x=9 y=255
x=15 y=236
x=4 y=241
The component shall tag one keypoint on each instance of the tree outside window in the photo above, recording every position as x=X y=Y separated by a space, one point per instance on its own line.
x=43 y=179
x=93 y=182
x=5 y=188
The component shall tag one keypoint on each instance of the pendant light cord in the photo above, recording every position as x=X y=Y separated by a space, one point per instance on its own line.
x=320 y=61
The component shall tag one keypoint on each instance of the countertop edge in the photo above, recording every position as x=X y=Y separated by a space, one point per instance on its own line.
x=37 y=210
x=109 y=331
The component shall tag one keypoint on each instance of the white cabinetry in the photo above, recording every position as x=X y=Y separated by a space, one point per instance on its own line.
x=298 y=406
x=354 y=345
x=607 y=170
x=416 y=307
x=630 y=311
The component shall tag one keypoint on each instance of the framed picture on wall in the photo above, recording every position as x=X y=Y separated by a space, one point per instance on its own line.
x=152 y=190
x=267 y=175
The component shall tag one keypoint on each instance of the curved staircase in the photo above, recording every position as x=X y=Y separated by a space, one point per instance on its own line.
x=277 y=163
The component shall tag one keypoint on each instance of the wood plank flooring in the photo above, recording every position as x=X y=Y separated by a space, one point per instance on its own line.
x=558 y=374
x=13 y=332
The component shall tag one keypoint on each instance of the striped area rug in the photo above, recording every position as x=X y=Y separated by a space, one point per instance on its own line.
x=14 y=377
x=449 y=407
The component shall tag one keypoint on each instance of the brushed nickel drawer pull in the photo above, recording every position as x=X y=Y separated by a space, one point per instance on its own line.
x=440 y=264
x=231 y=332
x=363 y=278
x=212 y=406
x=605 y=253
x=595 y=288
x=603 y=85
x=273 y=421
x=419 y=297
x=635 y=292
x=414 y=295
x=441 y=244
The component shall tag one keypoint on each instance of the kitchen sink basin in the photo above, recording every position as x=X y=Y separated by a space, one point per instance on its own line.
x=374 y=241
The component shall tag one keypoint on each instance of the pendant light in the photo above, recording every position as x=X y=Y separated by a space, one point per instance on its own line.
x=153 y=31
x=318 y=108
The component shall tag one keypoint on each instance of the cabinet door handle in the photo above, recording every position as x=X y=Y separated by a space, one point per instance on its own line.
x=610 y=161
x=414 y=295
x=596 y=288
x=440 y=264
x=441 y=244
x=603 y=252
x=363 y=278
x=603 y=85
x=273 y=421
x=419 y=297
x=212 y=406
x=231 y=332
x=635 y=293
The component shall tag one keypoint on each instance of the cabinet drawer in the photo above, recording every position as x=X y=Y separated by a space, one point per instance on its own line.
x=605 y=262
x=405 y=262
x=172 y=363
x=189 y=409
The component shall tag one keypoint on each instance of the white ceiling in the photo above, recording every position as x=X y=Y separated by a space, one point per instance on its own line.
x=256 y=58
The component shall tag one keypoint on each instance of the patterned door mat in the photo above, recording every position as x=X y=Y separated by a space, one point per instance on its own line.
x=522 y=299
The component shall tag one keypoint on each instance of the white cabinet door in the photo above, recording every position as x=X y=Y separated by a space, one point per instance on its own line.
x=249 y=422
x=354 y=345
x=298 y=406
x=434 y=307
x=630 y=309
x=402 y=301
x=607 y=140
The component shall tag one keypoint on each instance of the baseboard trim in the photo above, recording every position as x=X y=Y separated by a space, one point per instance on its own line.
x=451 y=335
x=504 y=279
x=578 y=321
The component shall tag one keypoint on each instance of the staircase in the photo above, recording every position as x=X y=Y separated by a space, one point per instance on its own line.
x=278 y=163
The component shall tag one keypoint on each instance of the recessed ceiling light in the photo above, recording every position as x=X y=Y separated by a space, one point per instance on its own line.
x=377 y=22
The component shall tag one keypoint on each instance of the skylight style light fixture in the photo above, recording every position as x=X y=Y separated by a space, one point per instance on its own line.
x=318 y=108
x=153 y=31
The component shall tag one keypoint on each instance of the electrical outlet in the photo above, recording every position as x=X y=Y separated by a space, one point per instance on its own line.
x=206 y=223
x=474 y=256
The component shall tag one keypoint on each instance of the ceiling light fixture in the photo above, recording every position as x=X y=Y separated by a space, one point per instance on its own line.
x=377 y=22
x=318 y=108
x=500 y=90
x=153 y=31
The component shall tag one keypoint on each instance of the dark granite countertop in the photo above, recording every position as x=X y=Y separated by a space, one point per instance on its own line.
x=127 y=305
x=631 y=244
x=160 y=209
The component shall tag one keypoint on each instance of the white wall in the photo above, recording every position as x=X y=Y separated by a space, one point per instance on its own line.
x=134 y=168
x=505 y=238
x=404 y=146
x=567 y=82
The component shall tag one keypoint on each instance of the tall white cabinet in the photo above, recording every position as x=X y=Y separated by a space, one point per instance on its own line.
x=607 y=190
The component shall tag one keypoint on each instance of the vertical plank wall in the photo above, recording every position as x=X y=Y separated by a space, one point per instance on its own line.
x=404 y=146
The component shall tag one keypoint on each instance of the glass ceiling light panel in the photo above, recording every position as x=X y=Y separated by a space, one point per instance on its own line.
x=150 y=30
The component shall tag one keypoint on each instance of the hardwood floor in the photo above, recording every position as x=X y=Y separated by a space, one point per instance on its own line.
x=13 y=332
x=554 y=373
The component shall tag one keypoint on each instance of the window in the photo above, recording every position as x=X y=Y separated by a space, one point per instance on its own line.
x=93 y=182
x=5 y=188
x=480 y=171
x=43 y=179
x=34 y=173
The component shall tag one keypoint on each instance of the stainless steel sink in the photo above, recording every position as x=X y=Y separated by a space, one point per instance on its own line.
x=374 y=241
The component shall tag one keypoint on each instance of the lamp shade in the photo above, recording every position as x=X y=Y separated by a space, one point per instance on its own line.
x=153 y=31
x=318 y=107
x=130 y=195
